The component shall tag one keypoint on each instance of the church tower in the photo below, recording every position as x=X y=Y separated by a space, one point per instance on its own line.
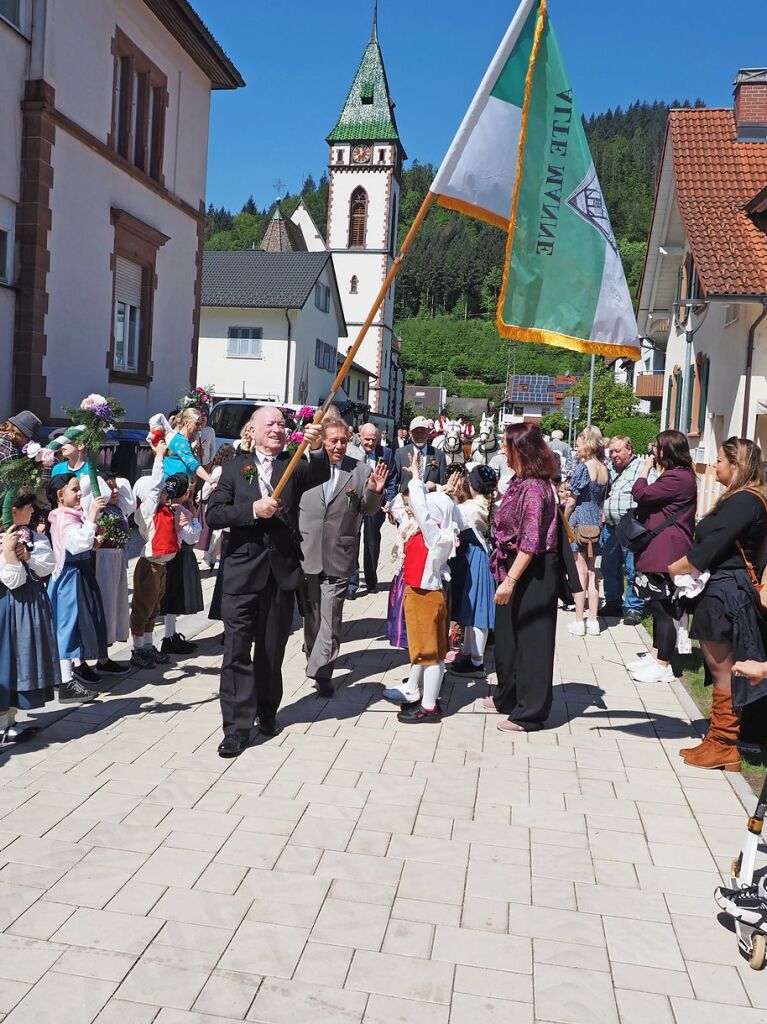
x=365 y=169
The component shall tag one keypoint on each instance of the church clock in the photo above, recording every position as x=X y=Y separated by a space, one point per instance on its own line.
x=361 y=154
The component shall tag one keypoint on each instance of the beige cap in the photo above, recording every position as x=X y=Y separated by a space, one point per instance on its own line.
x=419 y=421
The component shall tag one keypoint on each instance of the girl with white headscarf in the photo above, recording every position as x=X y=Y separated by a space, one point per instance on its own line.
x=427 y=553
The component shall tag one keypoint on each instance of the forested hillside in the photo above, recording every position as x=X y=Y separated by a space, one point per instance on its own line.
x=448 y=288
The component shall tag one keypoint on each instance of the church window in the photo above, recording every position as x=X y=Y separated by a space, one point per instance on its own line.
x=358 y=218
x=353 y=285
x=339 y=156
x=381 y=156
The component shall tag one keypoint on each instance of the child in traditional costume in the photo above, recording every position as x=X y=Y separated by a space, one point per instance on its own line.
x=425 y=572
x=473 y=582
x=183 y=587
x=112 y=537
x=29 y=658
x=157 y=525
x=74 y=592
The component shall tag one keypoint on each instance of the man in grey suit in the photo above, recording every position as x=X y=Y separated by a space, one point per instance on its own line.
x=330 y=522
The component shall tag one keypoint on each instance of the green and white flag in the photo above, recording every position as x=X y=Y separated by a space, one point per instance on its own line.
x=521 y=161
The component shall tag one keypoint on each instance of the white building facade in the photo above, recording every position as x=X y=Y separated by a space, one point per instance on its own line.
x=703 y=294
x=270 y=325
x=109 y=213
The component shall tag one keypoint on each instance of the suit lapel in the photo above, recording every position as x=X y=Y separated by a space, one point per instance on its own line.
x=342 y=479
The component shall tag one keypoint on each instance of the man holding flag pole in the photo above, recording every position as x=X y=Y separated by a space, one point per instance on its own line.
x=521 y=162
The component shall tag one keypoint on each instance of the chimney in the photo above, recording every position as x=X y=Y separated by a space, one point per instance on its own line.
x=751 y=104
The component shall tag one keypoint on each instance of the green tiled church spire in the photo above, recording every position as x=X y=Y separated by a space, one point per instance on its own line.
x=368 y=114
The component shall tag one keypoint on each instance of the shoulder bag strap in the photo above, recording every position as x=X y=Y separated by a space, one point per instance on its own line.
x=671 y=519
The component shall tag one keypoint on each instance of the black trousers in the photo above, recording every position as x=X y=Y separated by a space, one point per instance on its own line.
x=525 y=635
x=253 y=688
x=663 y=631
x=371 y=547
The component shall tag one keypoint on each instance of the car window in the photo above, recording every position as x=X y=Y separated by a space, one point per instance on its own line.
x=228 y=420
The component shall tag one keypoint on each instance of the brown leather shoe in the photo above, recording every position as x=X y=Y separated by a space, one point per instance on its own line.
x=719 y=749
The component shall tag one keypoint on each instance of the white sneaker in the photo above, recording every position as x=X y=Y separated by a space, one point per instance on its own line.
x=593 y=628
x=642 y=662
x=653 y=673
x=577 y=628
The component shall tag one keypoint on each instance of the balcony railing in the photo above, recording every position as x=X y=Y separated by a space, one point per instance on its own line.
x=649 y=384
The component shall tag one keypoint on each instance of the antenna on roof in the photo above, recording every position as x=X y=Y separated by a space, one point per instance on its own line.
x=374 y=33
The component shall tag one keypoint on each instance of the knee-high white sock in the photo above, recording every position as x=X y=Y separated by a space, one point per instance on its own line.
x=66 y=670
x=414 y=681
x=170 y=626
x=432 y=683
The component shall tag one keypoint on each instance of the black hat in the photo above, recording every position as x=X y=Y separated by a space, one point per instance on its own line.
x=26 y=422
x=176 y=485
x=483 y=479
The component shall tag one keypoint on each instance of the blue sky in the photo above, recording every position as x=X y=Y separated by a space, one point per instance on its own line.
x=298 y=58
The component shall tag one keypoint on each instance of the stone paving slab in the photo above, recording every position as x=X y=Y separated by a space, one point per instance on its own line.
x=353 y=870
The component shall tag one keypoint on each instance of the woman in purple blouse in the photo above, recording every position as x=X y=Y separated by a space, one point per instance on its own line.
x=673 y=493
x=525 y=562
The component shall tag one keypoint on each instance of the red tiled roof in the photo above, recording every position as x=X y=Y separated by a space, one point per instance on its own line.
x=716 y=176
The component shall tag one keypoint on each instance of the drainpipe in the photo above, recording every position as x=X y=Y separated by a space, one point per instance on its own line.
x=287 y=359
x=749 y=367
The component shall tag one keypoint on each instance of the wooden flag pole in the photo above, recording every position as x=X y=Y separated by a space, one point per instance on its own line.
x=347 y=365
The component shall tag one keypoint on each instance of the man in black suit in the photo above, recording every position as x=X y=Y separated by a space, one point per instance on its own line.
x=262 y=571
x=431 y=459
x=374 y=453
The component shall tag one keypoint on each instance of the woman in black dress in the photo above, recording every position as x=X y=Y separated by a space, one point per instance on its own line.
x=728 y=621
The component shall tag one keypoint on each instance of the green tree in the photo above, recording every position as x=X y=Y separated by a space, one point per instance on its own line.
x=641 y=430
x=554 y=421
x=611 y=401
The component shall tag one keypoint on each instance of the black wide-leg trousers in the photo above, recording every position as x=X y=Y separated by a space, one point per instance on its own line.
x=525 y=635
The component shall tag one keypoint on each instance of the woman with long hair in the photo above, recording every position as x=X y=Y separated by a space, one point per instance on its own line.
x=588 y=488
x=525 y=562
x=668 y=506
x=729 y=543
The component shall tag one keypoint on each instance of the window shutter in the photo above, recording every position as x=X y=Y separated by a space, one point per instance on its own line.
x=128 y=281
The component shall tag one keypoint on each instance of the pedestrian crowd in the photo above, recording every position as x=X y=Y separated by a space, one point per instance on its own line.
x=486 y=552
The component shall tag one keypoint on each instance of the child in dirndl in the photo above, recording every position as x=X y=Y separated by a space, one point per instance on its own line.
x=29 y=657
x=74 y=593
x=426 y=569
x=473 y=582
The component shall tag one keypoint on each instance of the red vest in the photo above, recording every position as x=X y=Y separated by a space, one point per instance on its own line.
x=165 y=539
x=416 y=553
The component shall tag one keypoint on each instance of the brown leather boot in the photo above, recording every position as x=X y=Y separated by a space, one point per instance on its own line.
x=719 y=749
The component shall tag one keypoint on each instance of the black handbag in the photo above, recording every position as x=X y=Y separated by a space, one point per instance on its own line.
x=634 y=536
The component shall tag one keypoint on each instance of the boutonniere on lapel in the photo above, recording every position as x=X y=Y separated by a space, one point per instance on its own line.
x=433 y=463
x=351 y=495
x=250 y=473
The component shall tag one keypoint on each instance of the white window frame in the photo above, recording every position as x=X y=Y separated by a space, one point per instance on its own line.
x=244 y=334
x=730 y=314
x=8 y=229
x=20 y=24
x=129 y=335
x=322 y=297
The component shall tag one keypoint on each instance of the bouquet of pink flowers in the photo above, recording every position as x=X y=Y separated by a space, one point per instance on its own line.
x=196 y=398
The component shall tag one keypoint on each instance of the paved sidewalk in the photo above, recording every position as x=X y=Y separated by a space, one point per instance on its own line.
x=354 y=870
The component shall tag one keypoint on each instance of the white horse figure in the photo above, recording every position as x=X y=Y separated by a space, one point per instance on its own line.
x=451 y=444
x=485 y=445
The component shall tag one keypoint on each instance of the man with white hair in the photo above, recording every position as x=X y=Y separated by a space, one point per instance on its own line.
x=262 y=571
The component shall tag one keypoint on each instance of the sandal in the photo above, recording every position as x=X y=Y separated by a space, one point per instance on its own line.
x=508 y=726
